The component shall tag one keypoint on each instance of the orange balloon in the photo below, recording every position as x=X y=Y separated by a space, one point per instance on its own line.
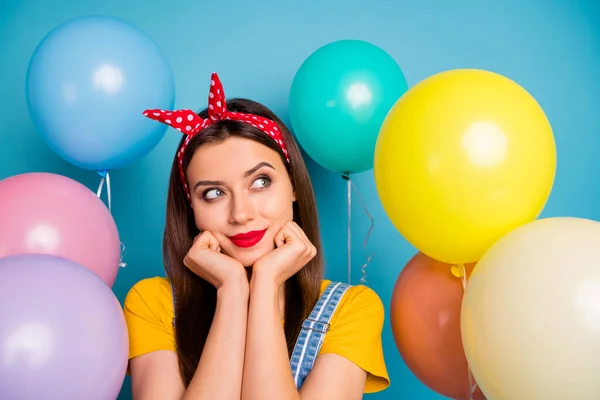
x=425 y=319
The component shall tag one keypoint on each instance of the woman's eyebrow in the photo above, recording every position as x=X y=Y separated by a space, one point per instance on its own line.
x=257 y=167
x=208 y=183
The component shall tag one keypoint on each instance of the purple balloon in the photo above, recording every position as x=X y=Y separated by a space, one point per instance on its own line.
x=62 y=331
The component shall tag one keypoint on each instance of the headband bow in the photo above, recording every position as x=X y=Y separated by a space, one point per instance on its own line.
x=190 y=124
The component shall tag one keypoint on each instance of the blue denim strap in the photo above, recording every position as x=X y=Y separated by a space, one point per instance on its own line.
x=313 y=332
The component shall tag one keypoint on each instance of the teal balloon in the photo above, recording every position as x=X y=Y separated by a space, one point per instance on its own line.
x=338 y=101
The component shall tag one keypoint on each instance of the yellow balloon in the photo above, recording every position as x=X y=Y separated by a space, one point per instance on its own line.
x=464 y=157
x=530 y=317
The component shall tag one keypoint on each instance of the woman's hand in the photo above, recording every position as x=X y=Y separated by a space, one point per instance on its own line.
x=293 y=251
x=206 y=260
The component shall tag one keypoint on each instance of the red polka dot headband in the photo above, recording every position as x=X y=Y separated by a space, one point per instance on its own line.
x=189 y=123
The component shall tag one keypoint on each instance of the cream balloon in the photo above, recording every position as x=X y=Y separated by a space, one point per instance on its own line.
x=530 y=317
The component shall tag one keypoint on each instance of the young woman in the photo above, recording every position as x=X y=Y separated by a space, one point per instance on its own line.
x=245 y=312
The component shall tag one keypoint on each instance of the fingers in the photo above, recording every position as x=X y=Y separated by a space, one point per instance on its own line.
x=292 y=234
x=207 y=240
x=203 y=241
x=284 y=236
x=299 y=232
x=288 y=234
x=311 y=250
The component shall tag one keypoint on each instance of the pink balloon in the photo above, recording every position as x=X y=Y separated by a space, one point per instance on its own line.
x=47 y=213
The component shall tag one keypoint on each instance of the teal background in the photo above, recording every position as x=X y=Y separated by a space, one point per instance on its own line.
x=550 y=47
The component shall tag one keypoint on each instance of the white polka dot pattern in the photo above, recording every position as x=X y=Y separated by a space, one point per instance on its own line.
x=189 y=123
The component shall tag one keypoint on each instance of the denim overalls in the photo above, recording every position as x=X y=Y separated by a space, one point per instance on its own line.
x=313 y=331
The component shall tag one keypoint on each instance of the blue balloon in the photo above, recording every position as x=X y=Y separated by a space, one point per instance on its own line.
x=338 y=101
x=88 y=83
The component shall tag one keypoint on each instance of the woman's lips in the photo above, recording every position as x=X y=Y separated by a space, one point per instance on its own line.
x=247 y=239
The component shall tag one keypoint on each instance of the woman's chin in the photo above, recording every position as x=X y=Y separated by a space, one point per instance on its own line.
x=248 y=258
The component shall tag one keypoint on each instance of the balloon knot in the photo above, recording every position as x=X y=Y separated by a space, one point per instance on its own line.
x=458 y=271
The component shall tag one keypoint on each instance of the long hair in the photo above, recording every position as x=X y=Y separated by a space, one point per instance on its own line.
x=196 y=298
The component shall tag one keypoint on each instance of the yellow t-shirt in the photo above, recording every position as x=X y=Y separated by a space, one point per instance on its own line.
x=355 y=327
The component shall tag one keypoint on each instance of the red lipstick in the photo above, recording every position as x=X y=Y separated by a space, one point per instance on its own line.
x=247 y=239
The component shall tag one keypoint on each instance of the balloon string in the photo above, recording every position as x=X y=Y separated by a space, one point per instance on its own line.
x=122 y=263
x=108 y=191
x=463 y=278
x=99 y=191
x=473 y=387
x=349 y=187
x=363 y=269
x=105 y=177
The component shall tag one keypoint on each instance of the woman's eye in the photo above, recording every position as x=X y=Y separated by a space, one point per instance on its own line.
x=212 y=194
x=261 y=183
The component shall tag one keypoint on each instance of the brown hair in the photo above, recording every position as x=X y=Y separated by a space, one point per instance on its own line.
x=194 y=297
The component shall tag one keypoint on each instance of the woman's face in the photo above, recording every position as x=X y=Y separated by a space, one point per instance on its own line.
x=242 y=194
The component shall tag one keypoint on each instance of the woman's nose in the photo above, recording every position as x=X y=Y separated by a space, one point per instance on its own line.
x=243 y=209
